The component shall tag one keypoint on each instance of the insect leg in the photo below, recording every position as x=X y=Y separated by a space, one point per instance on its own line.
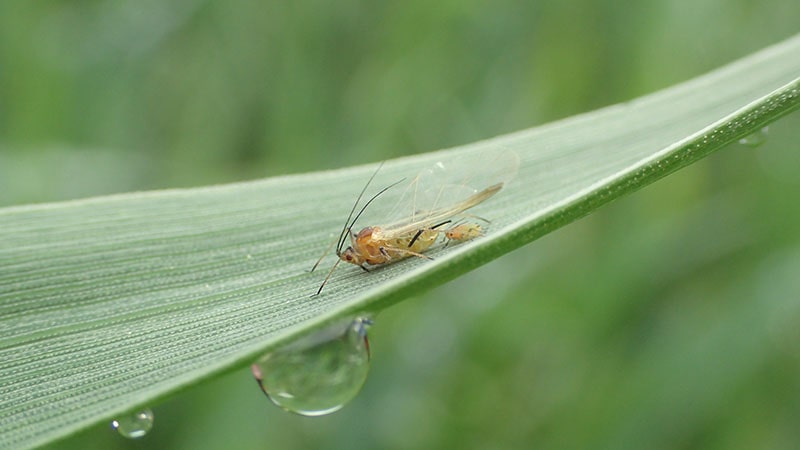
x=405 y=252
x=421 y=230
x=327 y=250
x=327 y=277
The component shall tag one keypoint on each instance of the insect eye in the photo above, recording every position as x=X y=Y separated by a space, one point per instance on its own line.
x=348 y=254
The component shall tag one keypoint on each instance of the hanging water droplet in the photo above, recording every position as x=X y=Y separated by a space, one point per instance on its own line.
x=755 y=139
x=134 y=425
x=319 y=374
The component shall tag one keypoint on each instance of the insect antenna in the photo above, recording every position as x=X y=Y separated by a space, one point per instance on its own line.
x=349 y=229
x=347 y=224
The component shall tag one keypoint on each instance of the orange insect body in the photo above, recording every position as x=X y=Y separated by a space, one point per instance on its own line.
x=383 y=245
x=373 y=247
x=415 y=233
x=463 y=232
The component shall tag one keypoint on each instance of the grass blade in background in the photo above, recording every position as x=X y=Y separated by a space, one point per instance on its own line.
x=113 y=302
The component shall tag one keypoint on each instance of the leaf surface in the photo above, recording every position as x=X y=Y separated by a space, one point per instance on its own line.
x=114 y=302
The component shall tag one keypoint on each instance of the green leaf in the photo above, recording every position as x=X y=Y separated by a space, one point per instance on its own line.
x=115 y=302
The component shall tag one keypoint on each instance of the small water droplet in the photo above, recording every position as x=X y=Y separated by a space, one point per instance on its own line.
x=134 y=425
x=319 y=374
x=755 y=139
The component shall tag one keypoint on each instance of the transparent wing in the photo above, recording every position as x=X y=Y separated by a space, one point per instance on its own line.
x=448 y=188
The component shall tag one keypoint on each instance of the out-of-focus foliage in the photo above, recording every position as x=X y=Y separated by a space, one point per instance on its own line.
x=666 y=320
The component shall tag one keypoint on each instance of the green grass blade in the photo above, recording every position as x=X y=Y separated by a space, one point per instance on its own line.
x=114 y=302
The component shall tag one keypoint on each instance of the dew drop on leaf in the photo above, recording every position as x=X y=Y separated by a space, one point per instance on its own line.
x=755 y=139
x=319 y=374
x=134 y=424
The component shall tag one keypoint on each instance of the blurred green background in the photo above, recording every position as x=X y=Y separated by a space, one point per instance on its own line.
x=666 y=320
